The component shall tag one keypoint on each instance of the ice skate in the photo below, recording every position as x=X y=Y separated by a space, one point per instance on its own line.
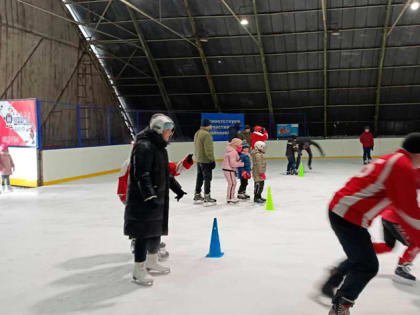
x=242 y=197
x=9 y=188
x=233 y=201
x=258 y=200
x=198 y=199
x=247 y=196
x=140 y=275
x=154 y=267
x=310 y=167
x=163 y=254
x=209 y=201
x=403 y=275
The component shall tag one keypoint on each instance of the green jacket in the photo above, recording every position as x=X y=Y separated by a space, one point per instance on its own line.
x=203 y=142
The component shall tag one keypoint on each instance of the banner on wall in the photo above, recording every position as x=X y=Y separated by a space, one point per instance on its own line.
x=220 y=124
x=287 y=130
x=18 y=123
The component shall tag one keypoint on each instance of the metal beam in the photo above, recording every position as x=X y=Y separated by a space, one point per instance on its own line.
x=325 y=47
x=152 y=63
x=133 y=7
x=239 y=21
x=268 y=54
x=285 y=12
x=406 y=6
x=321 y=32
x=381 y=65
x=103 y=13
x=203 y=57
x=125 y=66
x=263 y=64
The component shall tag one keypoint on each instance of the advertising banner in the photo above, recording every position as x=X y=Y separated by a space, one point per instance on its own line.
x=287 y=130
x=220 y=124
x=18 y=123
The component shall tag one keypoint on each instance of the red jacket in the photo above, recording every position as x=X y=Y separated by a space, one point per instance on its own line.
x=366 y=139
x=258 y=136
x=391 y=179
x=389 y=213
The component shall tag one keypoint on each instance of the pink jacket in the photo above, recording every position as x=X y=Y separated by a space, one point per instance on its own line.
x=6 y=163
x=231 y=161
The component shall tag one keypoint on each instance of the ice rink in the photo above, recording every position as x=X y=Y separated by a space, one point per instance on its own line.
x=63 y=251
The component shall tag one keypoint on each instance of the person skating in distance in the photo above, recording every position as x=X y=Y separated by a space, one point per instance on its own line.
x=305 y=144
x=391 y=179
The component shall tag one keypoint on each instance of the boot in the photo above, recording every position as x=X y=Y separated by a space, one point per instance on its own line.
x=340 y=309
x=163 y=254
x=247 y=196
x=198 y=198
x=332 y=283
x=242 y=196
x=403 y=275
x=140 y=275
x=154 y=267
x=209 y=199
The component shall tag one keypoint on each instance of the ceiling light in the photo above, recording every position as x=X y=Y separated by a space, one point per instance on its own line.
x=336 y=33
x=204 y=39
x=245 y=21
x=415 y=5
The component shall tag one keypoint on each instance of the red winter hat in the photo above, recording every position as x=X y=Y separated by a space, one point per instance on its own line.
x=258 y=128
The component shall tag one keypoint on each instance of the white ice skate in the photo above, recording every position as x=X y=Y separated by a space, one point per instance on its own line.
x=8 y=188
x=154 y=267
x=233 y=201
x=140 y=275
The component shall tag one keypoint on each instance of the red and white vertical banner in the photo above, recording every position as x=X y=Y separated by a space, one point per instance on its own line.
x=18 y=123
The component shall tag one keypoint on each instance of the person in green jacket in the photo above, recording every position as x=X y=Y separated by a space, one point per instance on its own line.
x=204 y=153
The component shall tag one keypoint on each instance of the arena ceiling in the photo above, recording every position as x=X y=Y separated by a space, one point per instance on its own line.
x=353 y=62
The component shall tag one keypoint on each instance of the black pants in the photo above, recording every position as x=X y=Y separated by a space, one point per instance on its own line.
x=145 y=245
x=309 y=151
x=366 y=154
x=291 y=165
x=258 y=189
x=392 y=233
x=242 y=187
x=204 y=174
x=361 y=264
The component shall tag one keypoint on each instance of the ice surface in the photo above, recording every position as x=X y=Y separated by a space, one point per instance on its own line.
x=63 y=252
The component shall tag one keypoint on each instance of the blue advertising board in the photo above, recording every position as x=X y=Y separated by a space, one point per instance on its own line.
x=220 y=124
x=287 y=130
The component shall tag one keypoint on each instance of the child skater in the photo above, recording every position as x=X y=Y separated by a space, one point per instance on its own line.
x=230 y=166
x=6 y=168
x=244 y=173
x=258 y=170
x=290 y=154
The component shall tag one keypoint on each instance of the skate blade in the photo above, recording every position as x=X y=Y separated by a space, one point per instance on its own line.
x=198 y=202
x=157 y=272
x=147 y=283
x=401 y=280
x=209 y=204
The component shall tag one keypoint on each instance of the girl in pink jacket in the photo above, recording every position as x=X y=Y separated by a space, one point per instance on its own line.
x=6 y=167
x=230 y=166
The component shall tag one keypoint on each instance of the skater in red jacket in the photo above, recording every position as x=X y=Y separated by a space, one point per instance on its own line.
x=391 y=179
x=393 y=231
x=366 y=139
x=259 y=134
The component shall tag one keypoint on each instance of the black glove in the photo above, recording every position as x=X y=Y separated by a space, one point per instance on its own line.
x=152 y=203
x=213 y=165
x=180 y=195
x=190 y=159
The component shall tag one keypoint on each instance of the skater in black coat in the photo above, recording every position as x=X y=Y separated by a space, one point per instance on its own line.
x=147 y=209
x=305 y=144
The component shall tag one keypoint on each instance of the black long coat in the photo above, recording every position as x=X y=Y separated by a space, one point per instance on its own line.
x=149 y=176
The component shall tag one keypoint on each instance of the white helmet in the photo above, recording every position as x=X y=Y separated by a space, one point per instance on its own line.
x=160 y=122
x=260 y=146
